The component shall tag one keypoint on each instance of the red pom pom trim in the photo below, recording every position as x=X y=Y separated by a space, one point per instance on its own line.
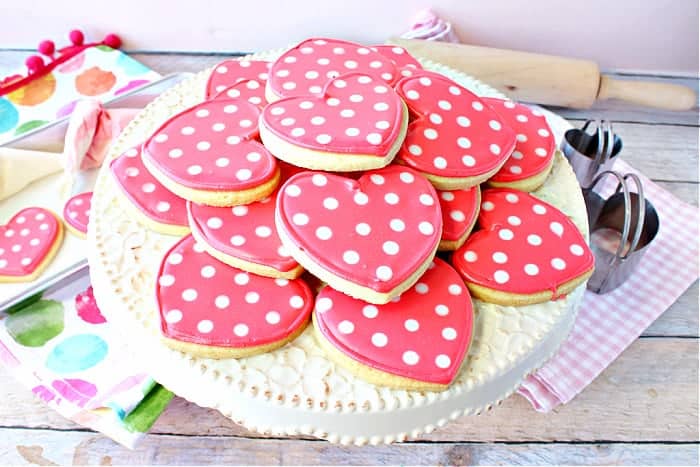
x=34 y=63
x=76 y=37
x=113 y=41
x=47 y=47
x=37 y=68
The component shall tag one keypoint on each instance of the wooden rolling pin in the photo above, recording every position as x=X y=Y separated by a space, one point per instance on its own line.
x=548 y=79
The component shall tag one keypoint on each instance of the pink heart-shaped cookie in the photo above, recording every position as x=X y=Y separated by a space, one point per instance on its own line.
x=415 y=342
x=455 y=140
x=245 y=236
x=306 y=69
x=148 y=200
x=76 y=213
x=207 y=154
x=230 y=72
x=214 y=310
x=370 y=238
x=251 y=90
x=459 y=212
x=527 y=251
x=356 y=124
x=404 y=61
x=531 y=161
x=28 y=243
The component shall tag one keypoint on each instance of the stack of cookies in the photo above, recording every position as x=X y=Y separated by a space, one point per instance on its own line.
x=341 y=184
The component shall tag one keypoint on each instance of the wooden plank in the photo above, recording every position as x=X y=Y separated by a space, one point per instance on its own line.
x=648 y=394
x=42 y=447
x=681 y=319
x=685 y=191
x=661 y=152
x=612 y=110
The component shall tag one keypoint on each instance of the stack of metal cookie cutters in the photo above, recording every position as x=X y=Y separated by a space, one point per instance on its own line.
x=623 y=225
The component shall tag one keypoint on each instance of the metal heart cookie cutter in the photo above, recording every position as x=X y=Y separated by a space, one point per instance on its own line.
x=589 y=154
x=621 y=228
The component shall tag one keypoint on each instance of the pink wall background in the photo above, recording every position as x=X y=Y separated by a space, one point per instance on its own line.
x=656 y=36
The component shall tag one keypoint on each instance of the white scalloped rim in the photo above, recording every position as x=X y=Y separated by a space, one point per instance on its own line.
x=296 y=389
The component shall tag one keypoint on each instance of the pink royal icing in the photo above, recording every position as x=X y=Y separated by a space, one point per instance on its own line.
x=230 y=72
x=146 y=192
x=251 y=90
x=211 y=147
x=204 y=301
x=246 y=232
x=422 y=335
x=452 y=132
x=525 y=245
x=26 y=240
x=375 y=231
x=459 y=211
x=356 y=114
x=86 y=307
x=404 y=61
x=76 y=212
x=534 y=149
x=306 y=68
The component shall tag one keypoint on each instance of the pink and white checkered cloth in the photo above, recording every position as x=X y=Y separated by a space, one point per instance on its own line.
x=607 y=324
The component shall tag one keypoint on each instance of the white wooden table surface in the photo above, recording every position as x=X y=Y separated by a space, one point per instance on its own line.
x=642 y=410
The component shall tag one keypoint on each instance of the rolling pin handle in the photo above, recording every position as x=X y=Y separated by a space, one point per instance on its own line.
x=659 y=95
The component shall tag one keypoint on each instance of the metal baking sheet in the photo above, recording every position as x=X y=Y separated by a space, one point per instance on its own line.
x=70 y=261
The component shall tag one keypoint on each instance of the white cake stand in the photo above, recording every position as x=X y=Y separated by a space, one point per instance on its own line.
x=297 y=389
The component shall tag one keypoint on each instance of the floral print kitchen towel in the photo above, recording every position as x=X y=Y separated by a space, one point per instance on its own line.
x=60 y=346
x=99 y=72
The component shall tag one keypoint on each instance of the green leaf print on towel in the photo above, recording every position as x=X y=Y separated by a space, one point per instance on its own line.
x=36 y=324
x=147 y=412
